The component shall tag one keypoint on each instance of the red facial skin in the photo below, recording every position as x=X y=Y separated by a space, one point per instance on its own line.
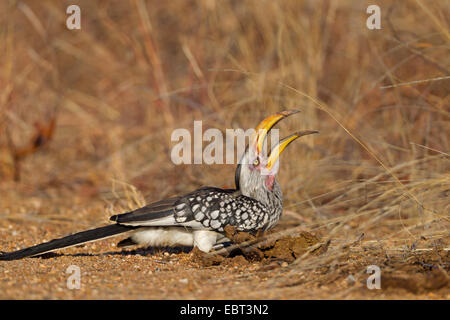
x=269 y=182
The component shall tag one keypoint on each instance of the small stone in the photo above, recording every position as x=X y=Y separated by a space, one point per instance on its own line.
x=350 y=279
x=184 y=281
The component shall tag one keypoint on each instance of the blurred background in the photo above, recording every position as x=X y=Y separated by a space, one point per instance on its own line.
x=86 y=115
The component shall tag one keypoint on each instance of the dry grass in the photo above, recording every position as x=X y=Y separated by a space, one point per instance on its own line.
x=138 y=70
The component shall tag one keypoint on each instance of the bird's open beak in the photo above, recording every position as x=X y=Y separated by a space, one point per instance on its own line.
x=279 y=147
x=264 y=127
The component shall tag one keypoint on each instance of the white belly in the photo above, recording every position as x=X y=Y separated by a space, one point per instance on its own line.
x=175 y=236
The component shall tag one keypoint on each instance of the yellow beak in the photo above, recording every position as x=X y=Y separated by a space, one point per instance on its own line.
x=264 y=127
x=278 y=149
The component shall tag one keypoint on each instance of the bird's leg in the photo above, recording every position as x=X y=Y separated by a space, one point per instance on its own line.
x=205 y=239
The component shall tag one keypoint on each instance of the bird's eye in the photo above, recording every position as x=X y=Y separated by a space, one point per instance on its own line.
x=256 y=162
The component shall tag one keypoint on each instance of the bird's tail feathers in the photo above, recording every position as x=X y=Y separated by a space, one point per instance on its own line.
x=69 y=241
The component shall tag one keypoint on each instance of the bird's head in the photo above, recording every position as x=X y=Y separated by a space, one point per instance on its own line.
x=256 y=171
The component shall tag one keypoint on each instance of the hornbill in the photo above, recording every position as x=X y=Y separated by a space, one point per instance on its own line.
x=198 y=218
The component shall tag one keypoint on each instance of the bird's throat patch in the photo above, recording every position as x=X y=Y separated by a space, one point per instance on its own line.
x=269 y=181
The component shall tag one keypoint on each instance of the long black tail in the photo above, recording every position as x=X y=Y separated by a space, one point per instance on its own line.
x=72 y=240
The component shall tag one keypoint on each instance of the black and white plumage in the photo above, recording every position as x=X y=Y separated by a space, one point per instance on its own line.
x=198 y=218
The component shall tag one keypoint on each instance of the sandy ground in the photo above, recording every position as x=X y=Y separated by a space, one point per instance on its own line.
x=110 y=273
